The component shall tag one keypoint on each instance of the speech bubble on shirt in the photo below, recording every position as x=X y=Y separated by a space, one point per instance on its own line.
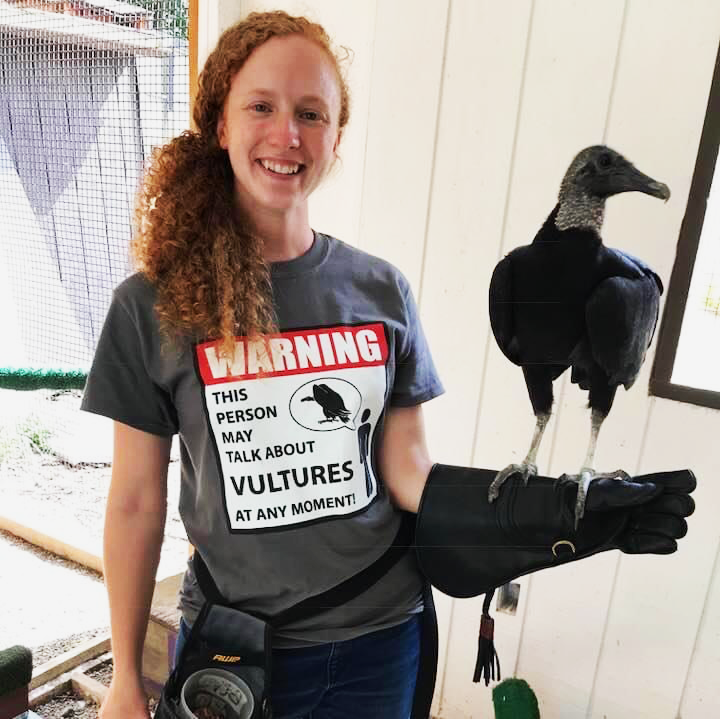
x=326 y=404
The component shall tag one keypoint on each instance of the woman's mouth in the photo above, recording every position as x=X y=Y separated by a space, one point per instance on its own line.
x=281 y=168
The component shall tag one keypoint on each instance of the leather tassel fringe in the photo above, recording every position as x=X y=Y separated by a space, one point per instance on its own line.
x=487 y=663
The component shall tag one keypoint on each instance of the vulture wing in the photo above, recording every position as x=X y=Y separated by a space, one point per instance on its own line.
x=501 y=309
x=621 y=315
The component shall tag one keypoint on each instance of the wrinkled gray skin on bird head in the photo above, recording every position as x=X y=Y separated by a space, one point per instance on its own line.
x=595 y=174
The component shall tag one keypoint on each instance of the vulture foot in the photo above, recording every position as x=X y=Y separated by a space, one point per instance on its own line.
x=525 y=470
x=583 y=479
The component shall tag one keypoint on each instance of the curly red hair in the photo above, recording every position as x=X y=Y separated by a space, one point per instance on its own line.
x=190 y=242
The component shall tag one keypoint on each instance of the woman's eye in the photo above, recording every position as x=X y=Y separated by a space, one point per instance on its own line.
x=260 y=107
x=310 y=115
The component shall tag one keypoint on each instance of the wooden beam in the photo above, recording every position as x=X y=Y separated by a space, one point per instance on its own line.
x=63 y=683
x=70 y=660
x=66 y=540
x=50 y=690
x=164 y=609
x=67 y=547
x=161 y=634
x=88 y=687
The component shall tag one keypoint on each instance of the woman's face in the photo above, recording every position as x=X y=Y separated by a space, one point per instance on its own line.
x=280 y=124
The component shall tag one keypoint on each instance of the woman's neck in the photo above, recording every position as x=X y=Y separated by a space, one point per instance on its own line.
x=285 y=235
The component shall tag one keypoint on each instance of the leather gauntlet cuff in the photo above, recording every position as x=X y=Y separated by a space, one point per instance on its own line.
x=467 y=546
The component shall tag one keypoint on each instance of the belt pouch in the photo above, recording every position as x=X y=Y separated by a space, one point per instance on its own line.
x=224 y=669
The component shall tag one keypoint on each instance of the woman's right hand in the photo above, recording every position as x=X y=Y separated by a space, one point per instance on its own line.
x=124 y=700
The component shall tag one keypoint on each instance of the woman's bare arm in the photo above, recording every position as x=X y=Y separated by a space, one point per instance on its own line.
x=134 y=527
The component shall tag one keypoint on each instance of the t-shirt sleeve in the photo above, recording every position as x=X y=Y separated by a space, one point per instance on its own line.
x=416 y=379
x=120 y=385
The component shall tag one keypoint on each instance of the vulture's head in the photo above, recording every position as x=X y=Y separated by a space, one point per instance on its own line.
x=599 y=172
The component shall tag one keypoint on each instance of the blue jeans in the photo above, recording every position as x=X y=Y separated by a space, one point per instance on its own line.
x=370 y=676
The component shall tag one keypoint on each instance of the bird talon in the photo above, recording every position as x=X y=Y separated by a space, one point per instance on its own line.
x=524 y=470
x=579 y=509
x=583 y=480
x=529 y=471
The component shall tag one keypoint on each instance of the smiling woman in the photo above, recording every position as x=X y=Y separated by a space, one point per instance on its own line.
x=293 y=367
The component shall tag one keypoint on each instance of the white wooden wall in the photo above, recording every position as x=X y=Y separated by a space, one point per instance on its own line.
x=465 y=116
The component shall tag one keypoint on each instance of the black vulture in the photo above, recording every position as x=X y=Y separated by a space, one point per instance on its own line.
x=331 y=402
x=567 y=300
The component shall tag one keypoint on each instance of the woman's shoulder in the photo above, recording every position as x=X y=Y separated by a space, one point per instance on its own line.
x=135 y=297
x=135 y=289
x=360 y=262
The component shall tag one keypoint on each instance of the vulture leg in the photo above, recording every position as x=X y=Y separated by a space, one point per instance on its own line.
x=527 y=468
x=538 y=379
x=587 y=473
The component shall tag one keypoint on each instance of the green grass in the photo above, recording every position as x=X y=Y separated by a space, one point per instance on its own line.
x=18 y=439
x=32 y=429
x=6 y=444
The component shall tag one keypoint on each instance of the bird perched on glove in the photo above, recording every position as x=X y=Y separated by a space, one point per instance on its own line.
x=568 y=301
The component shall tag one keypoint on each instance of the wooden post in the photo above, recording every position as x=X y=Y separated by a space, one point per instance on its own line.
x=161 y=634
x=193 y=52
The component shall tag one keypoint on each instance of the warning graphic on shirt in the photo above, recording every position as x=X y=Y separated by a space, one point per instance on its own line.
x=292 y=418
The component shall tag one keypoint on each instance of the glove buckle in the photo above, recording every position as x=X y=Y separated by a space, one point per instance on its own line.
x=562 y=542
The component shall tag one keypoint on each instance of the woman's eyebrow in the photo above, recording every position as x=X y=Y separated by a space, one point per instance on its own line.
x=313 y=99
x=259 y=91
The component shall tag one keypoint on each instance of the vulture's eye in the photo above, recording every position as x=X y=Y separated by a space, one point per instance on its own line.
x=605 y=160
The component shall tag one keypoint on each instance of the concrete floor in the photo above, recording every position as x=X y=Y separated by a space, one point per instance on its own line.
x=43 y=599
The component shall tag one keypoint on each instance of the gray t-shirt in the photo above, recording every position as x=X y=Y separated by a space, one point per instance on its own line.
x=280 y=489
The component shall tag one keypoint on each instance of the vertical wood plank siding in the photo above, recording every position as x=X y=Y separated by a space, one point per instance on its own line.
x=465 y=115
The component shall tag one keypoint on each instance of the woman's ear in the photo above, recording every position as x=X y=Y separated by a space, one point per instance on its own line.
x=221 y=136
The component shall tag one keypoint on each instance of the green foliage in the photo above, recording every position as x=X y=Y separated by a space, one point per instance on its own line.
x=712 y=299
x=6 y=444
x=170 y=15
x=19 y=439
x=33 y=431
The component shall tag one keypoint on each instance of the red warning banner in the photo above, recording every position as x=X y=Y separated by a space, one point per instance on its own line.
x=292 y=353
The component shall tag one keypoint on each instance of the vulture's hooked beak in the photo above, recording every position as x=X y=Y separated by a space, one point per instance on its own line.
x=627 y=178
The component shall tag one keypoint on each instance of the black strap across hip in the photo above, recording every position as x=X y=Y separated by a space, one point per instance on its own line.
x=335 y=596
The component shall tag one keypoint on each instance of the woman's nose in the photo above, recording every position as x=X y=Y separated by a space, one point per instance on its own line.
x=284 y=131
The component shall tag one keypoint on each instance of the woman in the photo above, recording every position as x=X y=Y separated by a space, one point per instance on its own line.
x=293 y=368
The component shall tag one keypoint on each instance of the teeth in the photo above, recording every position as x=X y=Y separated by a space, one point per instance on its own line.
x=280 y=168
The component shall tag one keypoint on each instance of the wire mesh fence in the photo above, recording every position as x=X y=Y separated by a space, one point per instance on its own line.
x=87 y=89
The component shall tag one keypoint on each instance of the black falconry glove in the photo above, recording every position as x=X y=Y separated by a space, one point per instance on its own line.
x=467 y=546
